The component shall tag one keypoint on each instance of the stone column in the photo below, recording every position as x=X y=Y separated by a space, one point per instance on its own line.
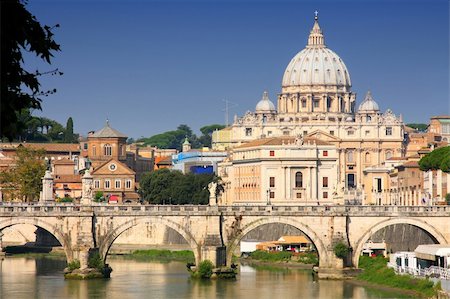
x=1 y=243
x=430 y=183
x=448 y=183
x=47 y=187
x=439 y=184
x=87 y=183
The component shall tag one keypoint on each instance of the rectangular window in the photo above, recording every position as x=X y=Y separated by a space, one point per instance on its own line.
x=303 y=104
x=350 y=133
x=272 y=181
x=325 y=182
x=325 y=195
x=272 y=194
x=332 y=133
x=85 y=146
x=367 y=133
x=248 y=131
x=325 y=153
x=299 y=195
x=388 y=131
x=96 y=184
x=128 y=184
x=305 y=133
x=445 y=128
x=107 y=184
x=269 y=133
x=286 y=133
x=272 y=153
x=316 y=104
x=118 y=184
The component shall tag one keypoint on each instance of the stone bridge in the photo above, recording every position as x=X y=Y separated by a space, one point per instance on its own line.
x=82 y=230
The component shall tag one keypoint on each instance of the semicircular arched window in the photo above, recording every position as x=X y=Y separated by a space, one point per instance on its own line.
x=107 y=150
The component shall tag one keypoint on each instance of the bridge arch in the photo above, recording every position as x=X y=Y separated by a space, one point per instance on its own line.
x=38 y=222
x=320 y=247
x=382 y=224
x=112 y=235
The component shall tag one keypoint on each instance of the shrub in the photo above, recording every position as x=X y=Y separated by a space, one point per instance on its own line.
x=447 y=198
x=263 y=255
x=205 y=269
x=75 y=264
x=95 y=261
x=341 y=250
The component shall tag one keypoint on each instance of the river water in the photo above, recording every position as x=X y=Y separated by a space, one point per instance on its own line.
x=42 y=277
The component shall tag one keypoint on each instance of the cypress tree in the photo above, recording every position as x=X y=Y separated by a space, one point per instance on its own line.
x=68 y=135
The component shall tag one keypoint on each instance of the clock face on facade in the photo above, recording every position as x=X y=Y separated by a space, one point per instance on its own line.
x=112 y=167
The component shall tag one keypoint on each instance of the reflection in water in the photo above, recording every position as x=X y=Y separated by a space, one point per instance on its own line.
x=22 y=277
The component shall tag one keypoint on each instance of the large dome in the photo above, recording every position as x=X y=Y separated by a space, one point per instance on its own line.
x=316 y=64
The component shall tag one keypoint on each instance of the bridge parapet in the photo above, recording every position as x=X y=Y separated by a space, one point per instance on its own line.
x=202 y=210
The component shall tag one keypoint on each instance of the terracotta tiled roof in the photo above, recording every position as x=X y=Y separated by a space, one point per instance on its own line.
x=63 y=162
x=54 y=147
x=68 y=178
x=288 y=140
x=48 y=147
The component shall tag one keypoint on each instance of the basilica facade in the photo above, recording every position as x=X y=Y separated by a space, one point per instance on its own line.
x=316 y=103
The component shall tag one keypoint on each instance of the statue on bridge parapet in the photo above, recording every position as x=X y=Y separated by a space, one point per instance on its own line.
x=87 y=193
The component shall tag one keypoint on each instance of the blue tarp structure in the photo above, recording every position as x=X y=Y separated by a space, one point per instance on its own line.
x=201 y=169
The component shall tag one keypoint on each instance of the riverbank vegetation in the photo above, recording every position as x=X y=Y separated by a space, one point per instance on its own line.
x=375 y=271
x=163 y=255
x=285 y=256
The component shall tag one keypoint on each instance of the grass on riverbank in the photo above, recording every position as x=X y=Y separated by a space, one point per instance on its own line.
x=376 y=271
x=285 y=256
x=164 y=255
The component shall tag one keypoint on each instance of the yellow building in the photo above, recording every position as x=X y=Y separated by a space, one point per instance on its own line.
x=281 y=170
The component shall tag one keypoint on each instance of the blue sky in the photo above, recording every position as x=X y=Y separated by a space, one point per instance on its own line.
x=149 y=66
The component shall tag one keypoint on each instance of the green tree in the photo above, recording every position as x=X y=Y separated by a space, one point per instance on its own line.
x=420 y=127
x=437 y=159
x=164 y=186
x=68 y=132
x=23 y=181
x=206 y=138
x=20 y=88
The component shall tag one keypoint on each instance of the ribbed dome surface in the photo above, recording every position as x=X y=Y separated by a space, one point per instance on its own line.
x=316 y=64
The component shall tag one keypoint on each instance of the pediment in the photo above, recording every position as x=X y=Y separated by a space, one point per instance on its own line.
x=113 y=167
x=324 y=136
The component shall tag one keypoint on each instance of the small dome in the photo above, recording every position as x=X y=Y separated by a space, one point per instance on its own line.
x=369 y=104
x=265 y=105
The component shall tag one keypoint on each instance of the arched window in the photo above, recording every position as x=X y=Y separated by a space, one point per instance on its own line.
x=107 y=150
x=298 y=180
x=94 y=150
x=367 y=158
x=368 y=118
x=388 y=155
